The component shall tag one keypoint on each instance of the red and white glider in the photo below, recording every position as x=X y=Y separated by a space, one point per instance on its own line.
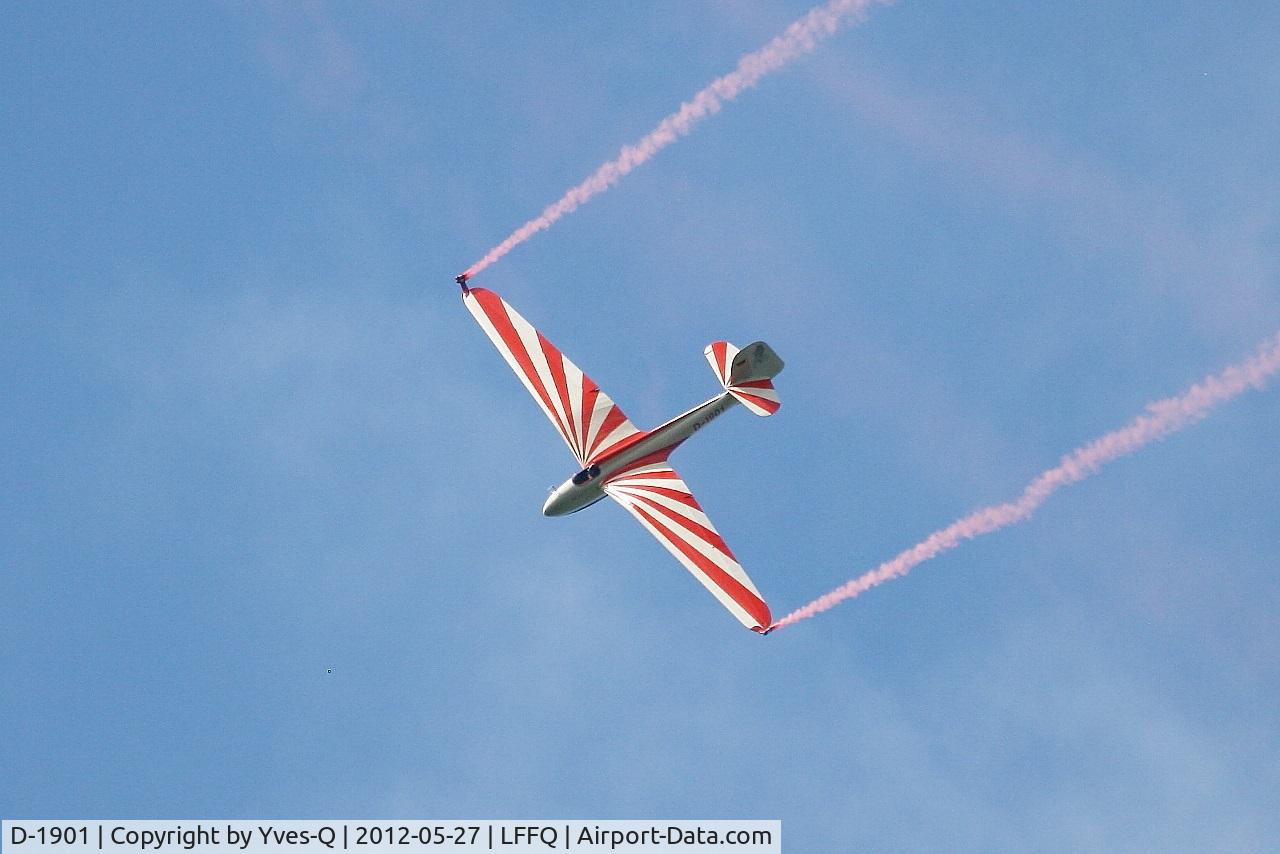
x=628 y=464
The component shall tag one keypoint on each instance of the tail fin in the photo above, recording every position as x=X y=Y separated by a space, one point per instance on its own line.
x=746 y=373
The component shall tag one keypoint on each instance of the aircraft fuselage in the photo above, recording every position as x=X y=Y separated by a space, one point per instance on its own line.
x=585 y=488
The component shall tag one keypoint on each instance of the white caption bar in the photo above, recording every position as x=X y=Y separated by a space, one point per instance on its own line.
x=70 y=836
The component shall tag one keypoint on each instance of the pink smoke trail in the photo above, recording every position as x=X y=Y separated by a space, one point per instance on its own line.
x=798 y=39
x=1161 y=419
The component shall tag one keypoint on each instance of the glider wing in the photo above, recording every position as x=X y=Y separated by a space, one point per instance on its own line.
x=656 y=495
x=590 y=422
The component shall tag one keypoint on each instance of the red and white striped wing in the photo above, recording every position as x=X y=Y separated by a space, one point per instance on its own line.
x=656 y=495
x=590 y=422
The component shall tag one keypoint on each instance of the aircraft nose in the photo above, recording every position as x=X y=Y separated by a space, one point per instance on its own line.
x=551 y=508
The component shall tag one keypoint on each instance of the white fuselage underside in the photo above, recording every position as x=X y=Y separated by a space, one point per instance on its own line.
x=569 y=497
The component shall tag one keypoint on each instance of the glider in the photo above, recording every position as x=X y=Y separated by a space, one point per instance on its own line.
x=628 y=464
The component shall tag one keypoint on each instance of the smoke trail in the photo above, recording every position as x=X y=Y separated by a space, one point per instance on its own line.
x=798 y=39
x=1161 y=419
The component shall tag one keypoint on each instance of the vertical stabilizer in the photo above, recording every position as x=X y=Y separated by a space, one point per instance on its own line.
x=747 y=374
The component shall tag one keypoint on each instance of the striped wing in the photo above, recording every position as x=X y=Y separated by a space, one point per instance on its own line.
x=656 y=495
x=590 y=422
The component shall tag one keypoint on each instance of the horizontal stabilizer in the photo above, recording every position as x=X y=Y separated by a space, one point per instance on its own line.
x=747 y=374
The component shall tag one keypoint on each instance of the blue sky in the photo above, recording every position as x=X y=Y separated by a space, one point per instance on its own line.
x=252 y=435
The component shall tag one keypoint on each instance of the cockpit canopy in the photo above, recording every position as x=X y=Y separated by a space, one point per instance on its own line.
x=589 y=473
